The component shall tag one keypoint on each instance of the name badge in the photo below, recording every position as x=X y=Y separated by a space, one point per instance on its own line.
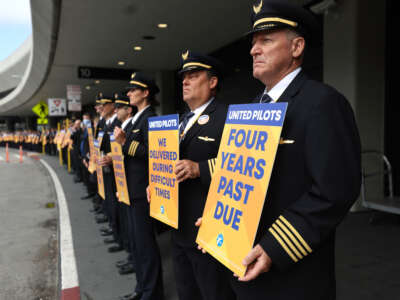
x=203 y=119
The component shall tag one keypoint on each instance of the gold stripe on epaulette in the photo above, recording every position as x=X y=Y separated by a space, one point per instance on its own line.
x=291 y=237
x=209 y=167
x=287 y=241
x=296 y=233
x=279 y=240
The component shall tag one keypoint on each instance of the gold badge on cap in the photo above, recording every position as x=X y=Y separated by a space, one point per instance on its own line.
x=185 y=55
x=100 y=94
x=133 y=75
x=203 y=119
x=116 y=96
x=257 y=9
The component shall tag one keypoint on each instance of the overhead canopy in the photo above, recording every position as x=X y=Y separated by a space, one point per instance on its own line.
x=103 y=33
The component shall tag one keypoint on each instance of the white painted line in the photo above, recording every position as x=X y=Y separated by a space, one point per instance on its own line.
x=16 y=155
x=69 y=274
x=1 y=157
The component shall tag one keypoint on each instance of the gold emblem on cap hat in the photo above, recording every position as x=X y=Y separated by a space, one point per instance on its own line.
x=100 y=94
x=257 y=9
x=185 y=55
x=133 y=75
x=116 y=95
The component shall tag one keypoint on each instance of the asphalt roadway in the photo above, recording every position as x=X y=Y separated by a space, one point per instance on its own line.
x=367 y=255
x=28 y=231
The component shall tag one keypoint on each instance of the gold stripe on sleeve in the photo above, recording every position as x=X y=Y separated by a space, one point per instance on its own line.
x=134 y=148
x=210 y=167
x=296 y=233
x=291 y=236
x=130 y=148
x=283 y=245
x=287 y=241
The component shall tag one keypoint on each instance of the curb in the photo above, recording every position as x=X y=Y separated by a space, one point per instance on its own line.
x=69 y=275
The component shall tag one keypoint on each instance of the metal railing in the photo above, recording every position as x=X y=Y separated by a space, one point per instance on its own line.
x=387 y=202
x=387 y=171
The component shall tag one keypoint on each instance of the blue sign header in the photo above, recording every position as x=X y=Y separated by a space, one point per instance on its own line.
x=266 y=114
x=168 y=122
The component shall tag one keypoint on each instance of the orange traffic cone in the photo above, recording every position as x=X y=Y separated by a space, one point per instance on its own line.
x=20 y=154
x=7 y=155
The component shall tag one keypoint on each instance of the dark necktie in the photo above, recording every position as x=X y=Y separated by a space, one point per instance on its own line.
x=265 y=98
x=184 y=122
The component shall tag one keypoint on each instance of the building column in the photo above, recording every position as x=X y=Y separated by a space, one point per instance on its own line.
x=166 y=80
x=354 y=63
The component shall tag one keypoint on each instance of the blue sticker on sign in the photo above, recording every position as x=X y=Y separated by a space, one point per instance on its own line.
x=162 y=209
x=220 y=240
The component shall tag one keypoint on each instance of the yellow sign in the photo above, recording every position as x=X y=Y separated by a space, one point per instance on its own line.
x=42 y=121
x=92 y=161
x=41 y=109
x=119 y=171
x=239 y=184
x=163 y=155
x=99 y=169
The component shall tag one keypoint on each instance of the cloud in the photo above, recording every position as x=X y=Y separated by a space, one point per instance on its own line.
x=16 y=12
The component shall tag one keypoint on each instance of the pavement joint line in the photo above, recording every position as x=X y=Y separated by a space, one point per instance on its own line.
x=69 y=274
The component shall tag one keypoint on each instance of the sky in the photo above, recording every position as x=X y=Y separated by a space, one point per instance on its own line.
x=15 y=25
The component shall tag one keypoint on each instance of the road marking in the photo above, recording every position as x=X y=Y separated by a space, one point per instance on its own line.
x=1 y=157
x=69 y=274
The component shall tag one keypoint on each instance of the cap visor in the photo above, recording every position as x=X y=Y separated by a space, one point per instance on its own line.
x=191 y=68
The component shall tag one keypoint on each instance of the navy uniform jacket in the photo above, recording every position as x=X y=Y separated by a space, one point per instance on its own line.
x=106 y=148
x=135 y=152
x=108 y=131
x=99 y=127
x=201 y=145
x=314 y=182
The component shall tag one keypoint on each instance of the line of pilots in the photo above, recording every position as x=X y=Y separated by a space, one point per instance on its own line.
x=30 y=140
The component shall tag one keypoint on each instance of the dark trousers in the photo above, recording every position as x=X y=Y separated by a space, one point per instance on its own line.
x=87 y=180
x=199 y=276
x=76 y=163
x=131 y=234
x=53 y=149
x=111 y=205
x=124 y=221
x=146 y=253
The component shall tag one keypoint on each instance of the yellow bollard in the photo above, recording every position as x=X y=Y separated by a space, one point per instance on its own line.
x=7 y=154
x=20 y=154
x=43 y=144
